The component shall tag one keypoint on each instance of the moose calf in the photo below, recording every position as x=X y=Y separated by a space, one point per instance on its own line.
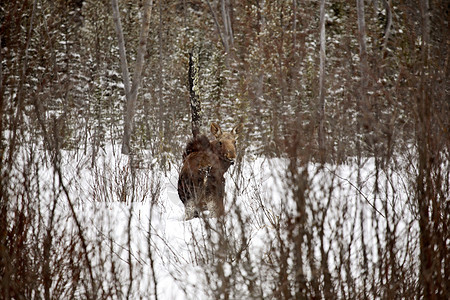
x=201 y=183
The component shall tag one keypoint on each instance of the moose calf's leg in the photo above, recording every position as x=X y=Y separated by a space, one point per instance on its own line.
x=215 y=208
x=190 y=210
x=212 y=209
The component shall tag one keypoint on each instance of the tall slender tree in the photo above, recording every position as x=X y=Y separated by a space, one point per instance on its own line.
x=194 y=88
x=131 y=92
x=321 y=131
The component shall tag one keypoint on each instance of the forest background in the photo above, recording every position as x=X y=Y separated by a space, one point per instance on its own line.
x=331 y=83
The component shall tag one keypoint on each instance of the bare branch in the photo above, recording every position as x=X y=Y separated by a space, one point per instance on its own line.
x=358 y=190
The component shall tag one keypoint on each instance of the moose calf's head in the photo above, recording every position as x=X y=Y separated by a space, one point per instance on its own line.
x=225 y=142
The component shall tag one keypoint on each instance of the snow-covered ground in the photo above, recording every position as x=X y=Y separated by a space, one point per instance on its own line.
x=148 y=240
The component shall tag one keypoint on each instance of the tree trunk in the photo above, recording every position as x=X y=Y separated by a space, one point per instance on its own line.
x=226 y=35
x=194 y=88
x=362 y=47
x=225 y=6
x=387 y=30
x=219 y=31
x=364 y=121
x=321 y=131
x=122 y=51
x=131 y=93
x=427 y=282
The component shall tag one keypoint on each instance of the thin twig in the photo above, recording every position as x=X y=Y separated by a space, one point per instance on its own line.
x=78 y=225
x=357 y=189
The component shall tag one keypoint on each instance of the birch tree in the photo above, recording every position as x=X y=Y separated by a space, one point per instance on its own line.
x=363 y=65
x=131 y=89
x=225 y=34
x=322 y=82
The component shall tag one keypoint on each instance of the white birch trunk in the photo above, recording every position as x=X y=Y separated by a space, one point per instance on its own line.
x=131 y=92
x=321 y=131
x=122 y=51
x=219 y=31
x=363 y=66
x=387 y=30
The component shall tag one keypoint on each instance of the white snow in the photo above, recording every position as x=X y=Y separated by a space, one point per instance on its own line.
x=261 y=195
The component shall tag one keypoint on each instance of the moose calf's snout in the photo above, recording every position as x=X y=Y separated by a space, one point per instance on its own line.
x=230 y=155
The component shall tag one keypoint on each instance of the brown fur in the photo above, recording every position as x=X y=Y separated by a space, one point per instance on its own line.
x=201 y=183
x=201 y=143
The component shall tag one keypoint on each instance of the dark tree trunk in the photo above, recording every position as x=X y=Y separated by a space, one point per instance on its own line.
x=321 y=131
x=196 y=109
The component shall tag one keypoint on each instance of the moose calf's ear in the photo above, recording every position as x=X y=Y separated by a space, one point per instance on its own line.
x=237 y=129
x=215 y=129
